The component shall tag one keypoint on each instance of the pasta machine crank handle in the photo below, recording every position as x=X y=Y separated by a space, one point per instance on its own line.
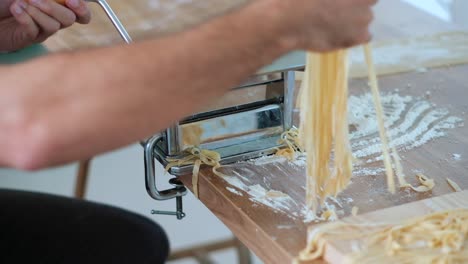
x=150 y=180
x=114 y=19
x=111 y=15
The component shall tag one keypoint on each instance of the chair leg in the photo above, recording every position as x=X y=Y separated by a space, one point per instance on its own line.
x=201 y=252
x=203 y=257
x=243 y=253
x=82 y=179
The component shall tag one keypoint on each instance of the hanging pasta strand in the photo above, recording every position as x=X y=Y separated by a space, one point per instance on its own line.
x=380 y=118
x=324 y=126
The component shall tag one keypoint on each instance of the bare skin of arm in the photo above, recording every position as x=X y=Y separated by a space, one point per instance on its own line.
x=71 y=106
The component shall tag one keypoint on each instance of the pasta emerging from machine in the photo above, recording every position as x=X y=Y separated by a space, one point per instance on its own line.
x=323 y=101
x=324 y=126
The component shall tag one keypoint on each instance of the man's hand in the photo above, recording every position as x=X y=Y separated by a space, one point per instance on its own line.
x=324 y=25
x=26 y=22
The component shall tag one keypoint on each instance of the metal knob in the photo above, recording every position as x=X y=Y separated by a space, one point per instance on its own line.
x=179 y=213
x=176 y=183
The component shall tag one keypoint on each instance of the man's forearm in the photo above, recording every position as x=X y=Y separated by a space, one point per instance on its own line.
x=72 y=106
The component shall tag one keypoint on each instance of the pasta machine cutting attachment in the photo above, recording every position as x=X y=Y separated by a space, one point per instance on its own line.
x=246 y=123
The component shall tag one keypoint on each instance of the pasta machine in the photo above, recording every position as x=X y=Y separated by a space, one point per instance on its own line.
x=245 y=123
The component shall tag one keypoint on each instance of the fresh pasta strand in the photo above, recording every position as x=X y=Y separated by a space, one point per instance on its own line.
x=380 y=118
x=398 y=168
x=354 y=210
x=324 y=126
x=454 y=185
x=291 y=139
x=197 y=157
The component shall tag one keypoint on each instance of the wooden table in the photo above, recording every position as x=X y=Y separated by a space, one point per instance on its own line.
x=154 y=18
x=275 y=236
x=142 y=19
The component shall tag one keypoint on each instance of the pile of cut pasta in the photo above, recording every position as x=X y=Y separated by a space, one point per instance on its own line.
x=436 y=238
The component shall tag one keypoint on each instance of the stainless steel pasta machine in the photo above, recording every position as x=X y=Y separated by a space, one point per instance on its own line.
x=246 y=123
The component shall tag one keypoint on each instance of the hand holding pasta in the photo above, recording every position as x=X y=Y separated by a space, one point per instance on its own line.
x=325 y=25
x=25 y=22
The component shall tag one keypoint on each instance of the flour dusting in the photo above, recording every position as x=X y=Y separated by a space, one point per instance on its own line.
x=257 y=193
x=268 y=160
x=411 y=122
x=456 y=157
x=234 y=191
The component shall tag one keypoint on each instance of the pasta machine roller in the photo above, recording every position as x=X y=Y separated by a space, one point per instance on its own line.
x=245 y=123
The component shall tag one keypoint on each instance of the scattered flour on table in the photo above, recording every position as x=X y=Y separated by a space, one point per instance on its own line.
x=234 y=191
x=299 y=160
x=267 y=160
x=280 y=201
x=411 y=122
x=285 y=226
x=456 y=157
x=413 y=52
x=257 y=193
x=309 y=216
